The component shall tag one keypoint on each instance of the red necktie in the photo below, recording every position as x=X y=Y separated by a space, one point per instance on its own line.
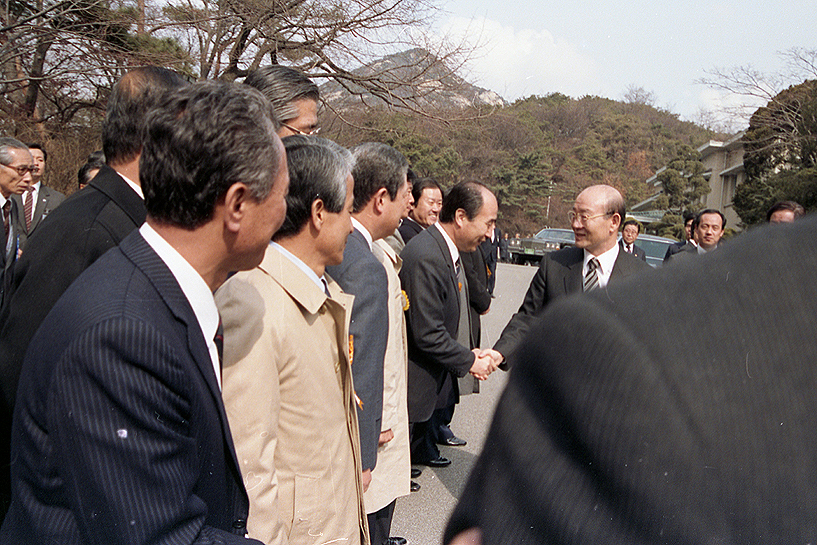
x=28 y=205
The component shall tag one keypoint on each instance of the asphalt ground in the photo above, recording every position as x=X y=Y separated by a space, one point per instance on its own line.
x=421 y=517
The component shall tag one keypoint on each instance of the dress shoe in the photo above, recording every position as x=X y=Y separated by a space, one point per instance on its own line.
x=415 y=486
x=454 y=441
x=416 y=472
x=396 y=541
x=438 y=462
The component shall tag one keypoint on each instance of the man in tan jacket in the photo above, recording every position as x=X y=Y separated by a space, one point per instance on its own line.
x=288 y=386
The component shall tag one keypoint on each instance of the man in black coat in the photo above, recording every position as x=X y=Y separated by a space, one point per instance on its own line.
x=596 y=216
x=437 y=314
x=630 y=230
x=624 y=423
x=120 y=434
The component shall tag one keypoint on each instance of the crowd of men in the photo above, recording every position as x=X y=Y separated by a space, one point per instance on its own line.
x=239 y=331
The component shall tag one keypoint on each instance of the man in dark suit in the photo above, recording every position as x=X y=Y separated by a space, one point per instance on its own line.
x=490 y=254
x=16 y=166
x=629 y=234
x=77 y=233
x=594 y=261
x=695 y=426
x=381 y=198
x=38 y=201
x=707 y=230
x=120 y=434
x=428 y=199
x=437 y=316
x=688 y=240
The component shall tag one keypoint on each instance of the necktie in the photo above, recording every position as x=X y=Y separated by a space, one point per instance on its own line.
x=629 y=248
x=28 y=206
x=219 y=340
x=591 y=279
x=6 y=214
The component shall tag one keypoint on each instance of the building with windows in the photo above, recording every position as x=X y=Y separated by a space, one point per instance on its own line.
x=723 y=169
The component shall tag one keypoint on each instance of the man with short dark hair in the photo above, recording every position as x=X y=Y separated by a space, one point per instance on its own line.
x=594 y=261
x=707 y=230
x=84 y=227
x=428 y=200
x=39 y=200
x=630 y=230
x=294 y=98
x=437 y=316
x=688 y=240
x=120 y=434
x=382 y=197
x=784 y=212
x=288 y=384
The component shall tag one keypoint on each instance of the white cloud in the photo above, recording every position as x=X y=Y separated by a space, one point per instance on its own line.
x=518 y=63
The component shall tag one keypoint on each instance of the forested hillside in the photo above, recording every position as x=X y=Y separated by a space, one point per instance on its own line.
x=536 y=153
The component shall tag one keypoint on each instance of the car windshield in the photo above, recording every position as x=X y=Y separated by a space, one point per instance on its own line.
x=559 y=235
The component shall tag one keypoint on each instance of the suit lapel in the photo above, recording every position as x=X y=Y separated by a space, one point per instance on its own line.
x=442 y=246
x=39 y=207
x=573 y=279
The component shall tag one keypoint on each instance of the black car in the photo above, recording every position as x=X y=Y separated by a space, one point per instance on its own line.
x=531 y=250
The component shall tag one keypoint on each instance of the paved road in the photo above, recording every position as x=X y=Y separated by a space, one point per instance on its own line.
x=421 y=516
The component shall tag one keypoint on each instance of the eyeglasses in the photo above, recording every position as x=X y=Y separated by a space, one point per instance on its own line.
x=584 y=218
x=21 y=169
x=299 y=131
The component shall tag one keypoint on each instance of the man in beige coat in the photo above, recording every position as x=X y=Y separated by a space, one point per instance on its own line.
x=288 y=386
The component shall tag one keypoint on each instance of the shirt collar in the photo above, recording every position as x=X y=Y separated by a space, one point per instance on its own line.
x=136 y=187
x=193 y=286
x=452 y=248
x=319 y=281
x=363 y=231
x=606 y=260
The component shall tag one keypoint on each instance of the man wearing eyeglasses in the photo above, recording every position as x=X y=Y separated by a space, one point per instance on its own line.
x=594 y=261
x=15 y=177
x=294 y=98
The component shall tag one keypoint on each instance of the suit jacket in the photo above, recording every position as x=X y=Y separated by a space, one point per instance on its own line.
x=673 y=249
x=432 y=318
x=408 y=229
x=638 y=415
x=120 y=435
x=391 y=477
x=362 y=275
x=638 y=251
x=559 y=274
x=8 y=254
x=289 y=394
x=47 y=200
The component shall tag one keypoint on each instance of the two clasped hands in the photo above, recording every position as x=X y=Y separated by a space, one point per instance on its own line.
x=486 y=362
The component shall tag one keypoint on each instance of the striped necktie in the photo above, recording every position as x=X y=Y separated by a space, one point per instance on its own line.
x=28 y=206
x=591 y=279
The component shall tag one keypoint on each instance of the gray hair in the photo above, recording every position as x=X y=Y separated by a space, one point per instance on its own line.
x=8 y=143
x=318 y=169
x=200 y=140
x=377 y=165
x=283 y=86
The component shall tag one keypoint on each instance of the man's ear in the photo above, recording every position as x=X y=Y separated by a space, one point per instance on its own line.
x=318 y=213
x=235 y=205
x=460 y=216
x=381 y=198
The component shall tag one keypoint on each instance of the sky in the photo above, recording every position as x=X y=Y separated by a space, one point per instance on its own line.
x=528 y=47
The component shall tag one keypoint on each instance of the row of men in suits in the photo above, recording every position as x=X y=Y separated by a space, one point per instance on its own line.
x=311 y=478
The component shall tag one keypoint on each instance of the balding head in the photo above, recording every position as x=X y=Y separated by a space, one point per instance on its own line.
x=596 y=217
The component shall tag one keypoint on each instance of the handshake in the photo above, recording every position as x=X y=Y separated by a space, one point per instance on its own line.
x=486 y=362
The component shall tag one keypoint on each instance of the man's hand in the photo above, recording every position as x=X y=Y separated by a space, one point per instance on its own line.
x=367 y=479
x=495 y=356
x=482 y=366
x=385 y=437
